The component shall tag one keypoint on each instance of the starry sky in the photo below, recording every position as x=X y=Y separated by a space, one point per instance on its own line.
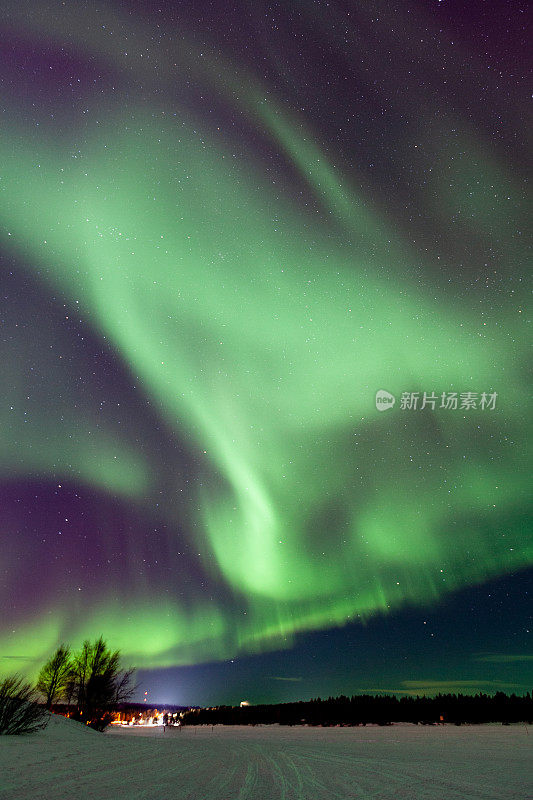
x=224 y=228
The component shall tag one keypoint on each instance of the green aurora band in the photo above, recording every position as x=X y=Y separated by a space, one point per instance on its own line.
x=260 y=331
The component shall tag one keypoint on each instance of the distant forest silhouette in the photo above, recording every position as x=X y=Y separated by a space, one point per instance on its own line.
x=374 y=709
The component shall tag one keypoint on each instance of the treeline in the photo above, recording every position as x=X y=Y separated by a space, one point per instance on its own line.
x=89 y=682
x=374 y=709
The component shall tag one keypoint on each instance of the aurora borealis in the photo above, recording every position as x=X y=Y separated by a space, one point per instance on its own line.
x=223 y=230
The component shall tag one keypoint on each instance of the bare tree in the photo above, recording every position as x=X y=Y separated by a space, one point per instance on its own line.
x=20 y=713
x=124 y=686
x=99 y=682
x=54 y=677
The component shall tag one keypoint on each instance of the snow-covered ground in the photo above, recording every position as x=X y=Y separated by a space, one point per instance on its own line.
x=402 y=762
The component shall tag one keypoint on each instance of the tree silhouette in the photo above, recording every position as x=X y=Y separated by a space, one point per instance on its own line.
x=98 y=683
x=54 y=676
x=19 y=711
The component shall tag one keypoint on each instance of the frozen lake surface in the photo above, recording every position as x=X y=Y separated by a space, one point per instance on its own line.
x=401 y=762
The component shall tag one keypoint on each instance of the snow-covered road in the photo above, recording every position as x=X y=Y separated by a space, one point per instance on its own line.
x=490 y=762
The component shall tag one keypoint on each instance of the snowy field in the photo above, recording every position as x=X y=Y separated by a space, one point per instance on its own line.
x=402 y=762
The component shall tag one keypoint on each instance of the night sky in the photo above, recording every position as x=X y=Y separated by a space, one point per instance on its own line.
x=224 y=227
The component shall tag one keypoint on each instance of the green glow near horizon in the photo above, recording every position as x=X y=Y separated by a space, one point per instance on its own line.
x=262 y=337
